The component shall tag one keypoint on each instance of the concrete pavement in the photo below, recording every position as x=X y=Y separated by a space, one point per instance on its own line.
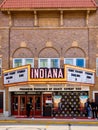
x=21 y=127
x=44 y=121
x=48 y=127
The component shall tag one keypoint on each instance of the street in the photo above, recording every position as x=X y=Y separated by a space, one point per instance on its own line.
x=48 y=127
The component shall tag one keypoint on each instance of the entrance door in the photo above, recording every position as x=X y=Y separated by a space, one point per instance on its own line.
x=22 y=105
x=1 y=102
x=37 y=105
x=19 y=104
x=14 y=105
x=31 y=99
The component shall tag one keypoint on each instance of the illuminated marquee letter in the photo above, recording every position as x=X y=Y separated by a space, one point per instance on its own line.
x=35 y=73
x=55 y=73
x=60 y=74
x=41 y=73
x=49 y=73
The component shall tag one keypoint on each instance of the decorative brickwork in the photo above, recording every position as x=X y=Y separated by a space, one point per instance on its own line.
x=49 y=32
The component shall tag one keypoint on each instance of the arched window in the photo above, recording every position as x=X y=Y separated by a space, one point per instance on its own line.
x=75 y=56
x=75 y=61
x=23 y=56
x=49 y=58
x=49 y=62
x=23 y=61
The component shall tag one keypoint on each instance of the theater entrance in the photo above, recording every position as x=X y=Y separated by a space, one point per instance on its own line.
x=50 y=104
x=18 y=104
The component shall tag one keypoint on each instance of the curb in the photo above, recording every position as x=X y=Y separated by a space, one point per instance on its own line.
x=49 y=122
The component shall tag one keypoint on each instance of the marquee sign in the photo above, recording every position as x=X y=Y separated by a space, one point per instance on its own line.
x=68 y=74
x=81 y=75
x=45 y=88
x=47 y=73
x=16 y=75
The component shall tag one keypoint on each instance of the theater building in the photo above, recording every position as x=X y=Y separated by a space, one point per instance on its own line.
x=47 y=88
x=49 y=55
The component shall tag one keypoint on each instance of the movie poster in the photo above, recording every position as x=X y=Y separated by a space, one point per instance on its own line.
x=57 y=100
x=83 y=99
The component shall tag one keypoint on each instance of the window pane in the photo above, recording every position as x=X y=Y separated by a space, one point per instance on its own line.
x=29 y=61
x=43 y=63
x=69 y=61
x=17 y=62
x=54 y=63
x=15 y=104
x=80 y=62
x=38 y=102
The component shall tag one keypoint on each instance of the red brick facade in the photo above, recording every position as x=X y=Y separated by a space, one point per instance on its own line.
x=76 y=35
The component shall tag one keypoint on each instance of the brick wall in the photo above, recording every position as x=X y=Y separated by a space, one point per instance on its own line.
x=73 y=39
x=74 y=18
x=61 y=40
x=22 y=19
x=4 y=19
x=4 y=50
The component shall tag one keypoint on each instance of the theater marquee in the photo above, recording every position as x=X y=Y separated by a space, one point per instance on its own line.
x=68 y=74
x=47 y=73
x=75 y=74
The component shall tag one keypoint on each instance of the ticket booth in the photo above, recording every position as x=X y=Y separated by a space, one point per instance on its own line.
x=47 y=104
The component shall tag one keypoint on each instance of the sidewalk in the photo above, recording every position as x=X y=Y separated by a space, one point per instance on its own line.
x=48 y=121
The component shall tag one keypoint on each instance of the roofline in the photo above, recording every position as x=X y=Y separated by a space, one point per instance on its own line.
x=47 y=9
x=94 y=3
x=2 y=3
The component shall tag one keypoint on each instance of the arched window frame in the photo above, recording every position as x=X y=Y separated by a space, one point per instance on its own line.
x=22 y=61
x=75 y=61
x=49 y=63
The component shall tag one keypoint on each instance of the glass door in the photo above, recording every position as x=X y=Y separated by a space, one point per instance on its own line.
x=38 y=107
x=22 y=105
x=14 y=107
x=19 y=105
x=30 y=98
